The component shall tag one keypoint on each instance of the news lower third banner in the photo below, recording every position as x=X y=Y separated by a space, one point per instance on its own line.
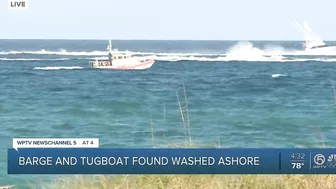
x=83 y=156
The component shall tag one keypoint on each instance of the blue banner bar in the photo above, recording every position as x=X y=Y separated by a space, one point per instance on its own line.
x=171 y=161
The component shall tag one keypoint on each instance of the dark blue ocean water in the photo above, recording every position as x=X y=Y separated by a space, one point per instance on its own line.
x=238 y=94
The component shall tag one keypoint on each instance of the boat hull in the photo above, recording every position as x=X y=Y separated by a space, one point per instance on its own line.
x=321 y=51
x=327 y=48
x=138 y=65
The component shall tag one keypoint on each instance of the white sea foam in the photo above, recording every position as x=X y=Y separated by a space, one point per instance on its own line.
x=61 y=52
x=98 y=53
x=278 y=75
x=240 y=48
x=242 y=51
x=229 y=58
x=32 y=59
x=58 y=68
x=274 y=58
x=248 y=49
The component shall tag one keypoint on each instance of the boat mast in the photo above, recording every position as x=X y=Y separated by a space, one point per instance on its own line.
x=316 y=40
x=109 y=47
x=303 y=32
x=309 y=32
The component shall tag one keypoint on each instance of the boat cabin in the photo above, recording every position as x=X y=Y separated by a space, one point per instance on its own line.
x=115 y=57
x=314 y=45
x=120 y=56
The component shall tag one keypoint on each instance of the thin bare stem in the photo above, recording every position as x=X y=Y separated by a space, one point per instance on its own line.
x=334 y=91
x=152 y=129
x=182 y=116
x=322 y=140
x=164 y=112
x=187 y=110
x=321 y=136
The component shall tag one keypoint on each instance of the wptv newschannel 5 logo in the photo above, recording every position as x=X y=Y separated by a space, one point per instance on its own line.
x=17 y=4
x=322 y=161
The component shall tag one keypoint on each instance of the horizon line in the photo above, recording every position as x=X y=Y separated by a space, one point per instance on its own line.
x=143 y=39
x=139 y=39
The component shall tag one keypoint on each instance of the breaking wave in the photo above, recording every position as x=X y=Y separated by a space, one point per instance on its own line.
x=278 y=75
x=33 y=59
x=229 y=58
x=58 y=68
x=61 y=52
x=242 y=51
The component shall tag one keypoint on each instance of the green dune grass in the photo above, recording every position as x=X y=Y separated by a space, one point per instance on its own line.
x=192 y=181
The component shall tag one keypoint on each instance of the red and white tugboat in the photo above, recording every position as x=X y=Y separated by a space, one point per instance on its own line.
x=121 y=61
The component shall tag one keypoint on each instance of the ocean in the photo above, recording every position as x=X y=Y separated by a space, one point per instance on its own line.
x=234 y=94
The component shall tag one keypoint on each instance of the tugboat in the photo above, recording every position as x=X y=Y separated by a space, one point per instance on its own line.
x=121 y=61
